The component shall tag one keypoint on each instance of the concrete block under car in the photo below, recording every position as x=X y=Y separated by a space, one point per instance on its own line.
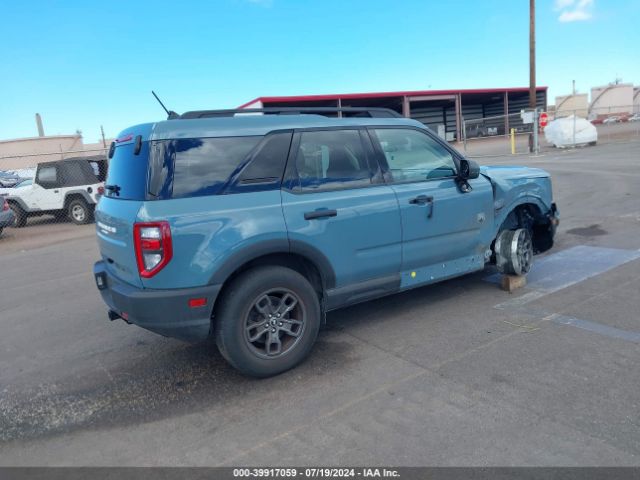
x=509 y=283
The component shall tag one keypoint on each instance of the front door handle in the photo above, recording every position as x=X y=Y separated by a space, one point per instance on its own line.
x=424 y=200
x=320 y=214
x=421 y=200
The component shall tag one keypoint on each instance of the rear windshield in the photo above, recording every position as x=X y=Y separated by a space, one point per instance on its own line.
x=193 y=167
x=127 y=174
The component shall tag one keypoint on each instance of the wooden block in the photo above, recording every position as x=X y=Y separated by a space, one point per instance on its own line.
x=510 y=283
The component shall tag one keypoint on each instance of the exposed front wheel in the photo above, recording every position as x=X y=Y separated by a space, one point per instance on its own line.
x=267 y=321
x=79 y=212
x=514 y=251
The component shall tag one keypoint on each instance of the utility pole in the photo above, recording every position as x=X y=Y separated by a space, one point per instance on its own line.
x=104 y=143
x=532 y=53
x=532 y=70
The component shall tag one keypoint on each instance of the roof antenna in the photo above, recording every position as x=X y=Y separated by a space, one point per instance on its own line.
x=170 y=113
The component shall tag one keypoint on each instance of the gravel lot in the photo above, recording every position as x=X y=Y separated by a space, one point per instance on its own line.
x=459 y=373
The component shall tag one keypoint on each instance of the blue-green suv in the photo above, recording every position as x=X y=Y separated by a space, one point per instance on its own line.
x=249 y=227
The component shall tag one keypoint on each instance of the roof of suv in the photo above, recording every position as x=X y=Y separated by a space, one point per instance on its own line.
x=247 y=125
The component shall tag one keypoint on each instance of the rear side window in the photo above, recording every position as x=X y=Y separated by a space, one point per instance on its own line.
x=196 y=167
x=99 y=168
x=77 y=173
x=332 y=159
x=267 y=163
x=127 y=173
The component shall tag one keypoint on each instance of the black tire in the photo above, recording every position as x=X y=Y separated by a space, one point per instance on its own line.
x=249 y=302
x=514 y=251
x=20 y=216
x=79 y=212
x=1 y=228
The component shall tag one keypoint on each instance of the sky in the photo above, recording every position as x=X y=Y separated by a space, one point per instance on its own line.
x=85 y=64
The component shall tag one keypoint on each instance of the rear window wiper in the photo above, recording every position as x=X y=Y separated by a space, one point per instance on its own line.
x=115 y=189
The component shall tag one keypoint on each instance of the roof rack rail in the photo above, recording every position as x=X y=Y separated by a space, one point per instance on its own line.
x=373 y=112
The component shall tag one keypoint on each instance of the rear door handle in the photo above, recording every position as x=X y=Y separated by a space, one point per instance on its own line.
x=424 y=200
x=320 y=214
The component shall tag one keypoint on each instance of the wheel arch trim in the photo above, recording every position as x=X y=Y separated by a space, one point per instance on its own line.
x=521 y=201
x=68 y=197
x=270 y=247
x=20 y=203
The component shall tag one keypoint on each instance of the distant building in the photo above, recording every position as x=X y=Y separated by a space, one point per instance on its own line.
x=28 y=152
x=574 y=104
x=612 y=99
x=442 y=110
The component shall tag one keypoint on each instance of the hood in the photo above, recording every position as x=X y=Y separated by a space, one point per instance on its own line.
x=512 y=183
x=497 y=173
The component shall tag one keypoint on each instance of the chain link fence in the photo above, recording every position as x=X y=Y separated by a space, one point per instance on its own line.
x=516 y=134
x=47 y=188
x=511 y=134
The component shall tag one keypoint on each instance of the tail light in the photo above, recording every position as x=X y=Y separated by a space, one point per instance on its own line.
x=5 y=206
x=153 y=247
x=100 y=190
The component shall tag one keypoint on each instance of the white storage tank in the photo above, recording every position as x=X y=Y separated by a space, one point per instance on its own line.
x=612 y=99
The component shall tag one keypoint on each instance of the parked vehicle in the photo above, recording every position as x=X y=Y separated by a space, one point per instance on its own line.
x=65 y=187
x=6 y=216
x=612 y=119
x=8 y=180
x=24 y=173
x=10 y=190
x=635 y=117
x=249 y=228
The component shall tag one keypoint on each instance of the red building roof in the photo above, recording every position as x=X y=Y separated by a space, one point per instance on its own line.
x=410 y=93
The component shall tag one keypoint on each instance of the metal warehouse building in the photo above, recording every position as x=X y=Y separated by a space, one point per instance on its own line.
x=441 y=110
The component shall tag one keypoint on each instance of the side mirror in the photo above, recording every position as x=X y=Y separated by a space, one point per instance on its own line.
x=468 y=169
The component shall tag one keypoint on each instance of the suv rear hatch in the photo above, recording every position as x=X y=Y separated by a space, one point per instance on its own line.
x=117 y=210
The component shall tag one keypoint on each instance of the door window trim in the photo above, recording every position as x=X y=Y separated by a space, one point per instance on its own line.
x=291 y=181
x=382 y=160
x=235 y=184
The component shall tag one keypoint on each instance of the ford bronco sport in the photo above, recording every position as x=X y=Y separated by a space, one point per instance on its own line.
x=249 y=228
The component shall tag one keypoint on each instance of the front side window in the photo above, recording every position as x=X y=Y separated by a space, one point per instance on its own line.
x=48 y=176
x=413 y=156
x=332 y=159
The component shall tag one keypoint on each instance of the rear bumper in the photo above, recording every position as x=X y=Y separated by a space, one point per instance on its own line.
x=6 y=218
x=166 y=312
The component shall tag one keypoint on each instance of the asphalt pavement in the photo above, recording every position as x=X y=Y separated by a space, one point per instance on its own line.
x=459 y=373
